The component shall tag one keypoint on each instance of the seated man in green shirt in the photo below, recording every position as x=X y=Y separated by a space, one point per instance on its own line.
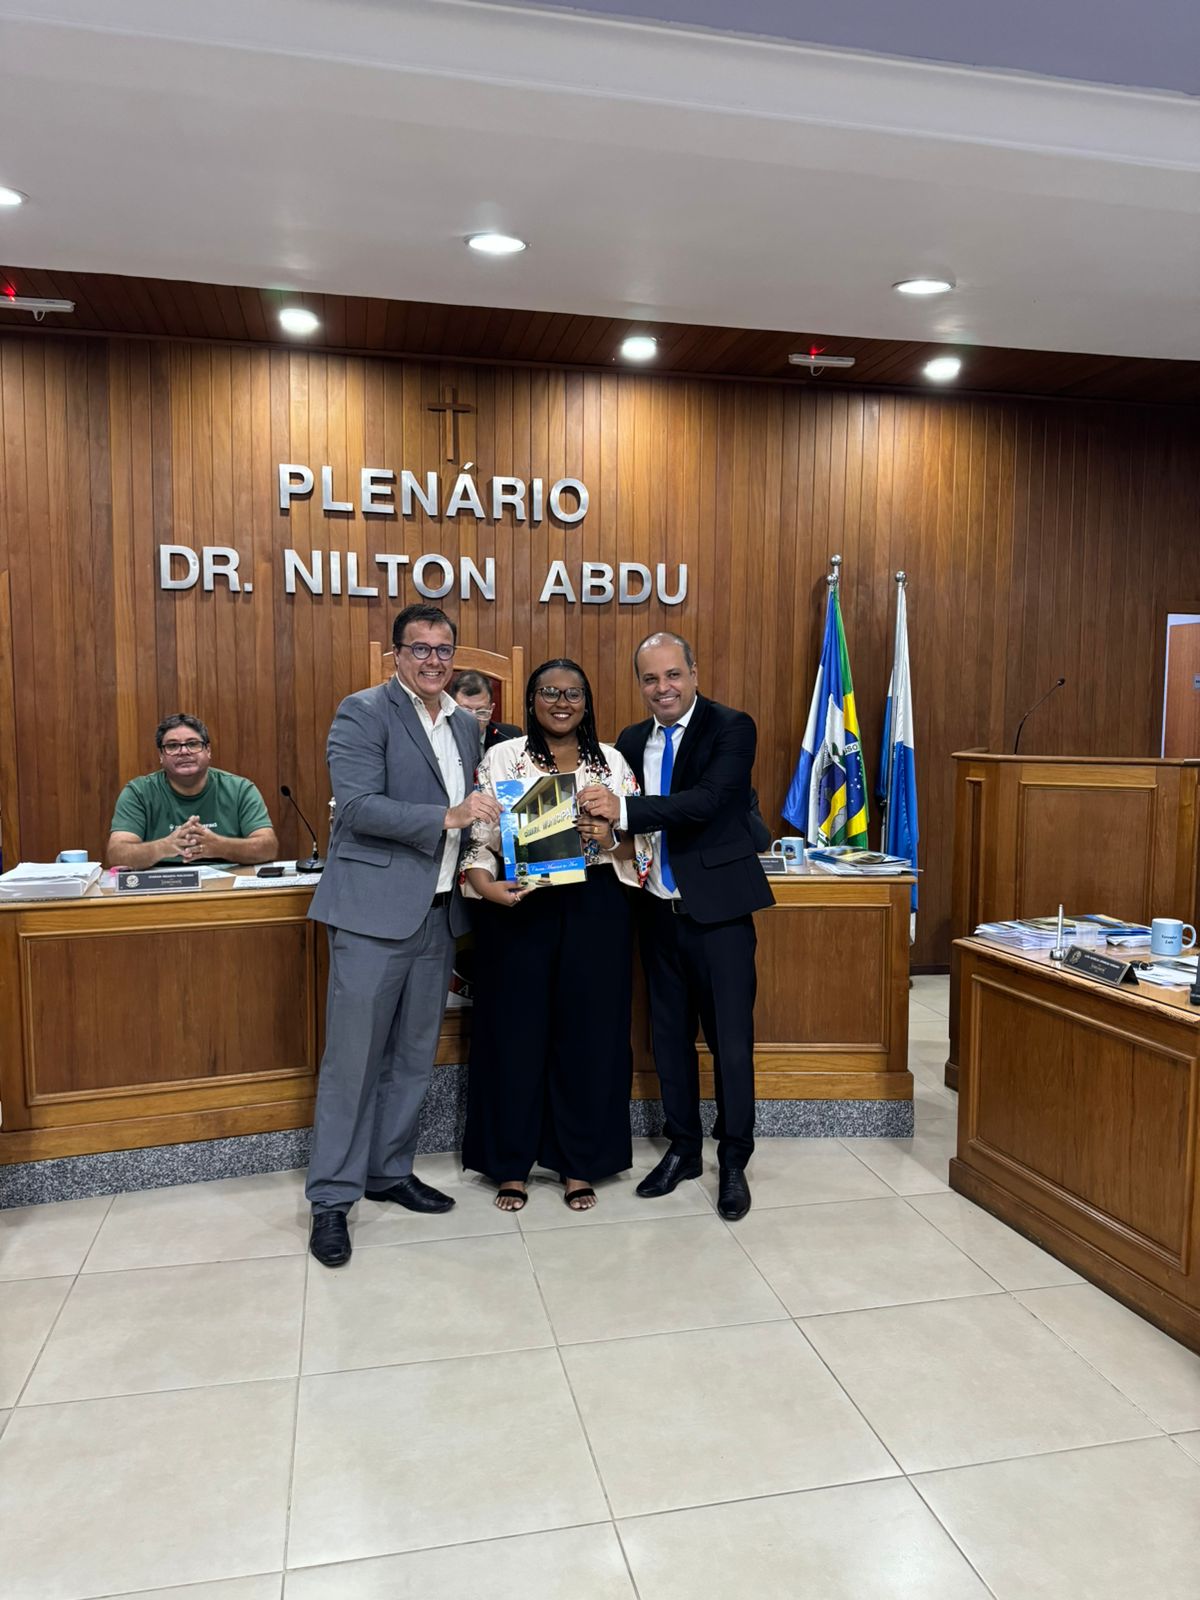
x=189 y=810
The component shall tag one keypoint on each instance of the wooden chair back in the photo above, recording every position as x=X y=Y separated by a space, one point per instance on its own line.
x=508 y=671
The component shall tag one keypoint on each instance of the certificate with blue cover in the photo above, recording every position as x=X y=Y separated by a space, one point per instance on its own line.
x=537 y=829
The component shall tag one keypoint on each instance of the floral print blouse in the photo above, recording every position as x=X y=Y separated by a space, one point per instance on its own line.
x=512 y=759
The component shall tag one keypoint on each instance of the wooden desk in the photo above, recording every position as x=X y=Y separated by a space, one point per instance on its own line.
x=137 y=1020
x=831 y=1021
x=1110 y=834
x=1077 y=1124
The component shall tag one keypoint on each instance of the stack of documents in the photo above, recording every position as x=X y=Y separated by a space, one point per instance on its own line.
x=1115 y=930
x=1168 y=972
x=49 y=880
x=1039 y=933
x=286 y=880
x=846 y=861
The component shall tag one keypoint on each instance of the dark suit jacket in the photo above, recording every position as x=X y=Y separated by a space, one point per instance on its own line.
x=706 y=816
x=497 y=732
x=385 y=852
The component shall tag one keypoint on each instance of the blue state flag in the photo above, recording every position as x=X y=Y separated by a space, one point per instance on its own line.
x=897 y=791
x=827 y=800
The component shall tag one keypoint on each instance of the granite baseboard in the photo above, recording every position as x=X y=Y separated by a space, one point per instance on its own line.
x=163 y=1166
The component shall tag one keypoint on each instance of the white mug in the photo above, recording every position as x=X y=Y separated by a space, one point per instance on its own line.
x=790 y=848
x=1166 y=936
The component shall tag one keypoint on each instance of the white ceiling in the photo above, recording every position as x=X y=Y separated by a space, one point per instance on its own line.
x=349 y=145
x=1154 y=44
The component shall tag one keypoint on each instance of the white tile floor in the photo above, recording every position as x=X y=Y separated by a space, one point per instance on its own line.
x=867 y=1390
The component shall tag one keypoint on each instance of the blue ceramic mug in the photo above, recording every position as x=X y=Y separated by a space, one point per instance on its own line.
x=1166 y=936
x=72 y=855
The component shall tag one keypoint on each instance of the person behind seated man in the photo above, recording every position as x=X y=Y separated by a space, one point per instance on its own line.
x=189 y=810
x=473 y=691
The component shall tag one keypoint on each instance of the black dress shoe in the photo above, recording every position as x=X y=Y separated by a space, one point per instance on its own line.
x=733 y=1194
x=329 y=1240
x=413 y=1195
x=671 y=1170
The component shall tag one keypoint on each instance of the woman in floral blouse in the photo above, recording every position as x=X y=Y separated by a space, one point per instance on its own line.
x=550 y=1054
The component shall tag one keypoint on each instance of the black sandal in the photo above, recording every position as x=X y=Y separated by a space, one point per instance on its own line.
x=506 y=1191
x=578 y=1194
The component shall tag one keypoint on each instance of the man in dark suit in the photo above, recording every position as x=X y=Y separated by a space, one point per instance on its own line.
x=473 y=691
x=692 y=758
x=402 y=759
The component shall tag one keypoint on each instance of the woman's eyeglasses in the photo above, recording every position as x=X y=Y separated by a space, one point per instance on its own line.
x=573 y=697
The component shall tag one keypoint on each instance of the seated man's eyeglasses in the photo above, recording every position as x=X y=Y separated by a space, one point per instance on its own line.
x=573 y=697
x=422 y=652
x=181 y=747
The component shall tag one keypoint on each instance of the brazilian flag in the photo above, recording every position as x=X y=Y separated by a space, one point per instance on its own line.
x=827 y=801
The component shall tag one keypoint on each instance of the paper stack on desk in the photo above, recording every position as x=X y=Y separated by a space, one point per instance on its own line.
x=848 y=861
x=49 y=880
x=1039 y=933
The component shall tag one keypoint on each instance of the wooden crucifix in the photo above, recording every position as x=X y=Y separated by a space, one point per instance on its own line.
x=451 y=408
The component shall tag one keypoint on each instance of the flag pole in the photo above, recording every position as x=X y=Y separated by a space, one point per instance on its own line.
x=833 y=577
x=901 y=583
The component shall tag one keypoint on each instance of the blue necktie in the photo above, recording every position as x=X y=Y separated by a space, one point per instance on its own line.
x=664 y=787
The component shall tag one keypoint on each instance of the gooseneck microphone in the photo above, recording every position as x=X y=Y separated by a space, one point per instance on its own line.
x=314 y=862
x=1052 y=690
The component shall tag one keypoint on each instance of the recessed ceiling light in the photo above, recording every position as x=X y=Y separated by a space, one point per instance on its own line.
x=639 y=347
x=497 y=244
x=924 y=286
x=943 y=368
x=12 y=197
x=296 y=319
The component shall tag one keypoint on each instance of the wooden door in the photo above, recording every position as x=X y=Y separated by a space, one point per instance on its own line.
x=1181 y=717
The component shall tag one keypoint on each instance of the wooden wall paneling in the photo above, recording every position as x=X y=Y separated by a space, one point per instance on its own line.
x=91 y=575
x=306 y=533
x=1038 y=538
x=10 y=777
x=14 y=541
x=255 y=520
x=139 y=688
x=161 y=465
x=225 y=629
x=180 y=680
x=124 y=565
x=147 y=308
x=315 y=623
x=35 y=639
x=280 y=531
x=242 y=664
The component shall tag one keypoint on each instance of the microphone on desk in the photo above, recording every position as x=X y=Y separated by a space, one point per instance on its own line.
x=1032 y=709
x=314 y=862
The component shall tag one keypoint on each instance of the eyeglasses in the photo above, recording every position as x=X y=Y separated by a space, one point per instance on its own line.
x=484 y=713
x=422 y=652
x=188 y=746
x=573 y=697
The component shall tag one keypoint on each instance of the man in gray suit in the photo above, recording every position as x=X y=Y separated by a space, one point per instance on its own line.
x=402 y=759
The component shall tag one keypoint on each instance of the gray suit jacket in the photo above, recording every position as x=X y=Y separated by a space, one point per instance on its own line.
x=385 y=851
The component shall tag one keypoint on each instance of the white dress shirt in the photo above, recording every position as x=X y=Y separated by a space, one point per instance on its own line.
x=652 y=762
x=445 y=749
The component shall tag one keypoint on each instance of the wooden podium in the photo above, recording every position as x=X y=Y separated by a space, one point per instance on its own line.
x=1110 y=834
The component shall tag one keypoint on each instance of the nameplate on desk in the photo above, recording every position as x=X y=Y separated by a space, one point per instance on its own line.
x=1107 y=969
x=161 y=882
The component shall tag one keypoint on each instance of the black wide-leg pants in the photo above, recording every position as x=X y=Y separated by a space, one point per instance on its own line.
x=551 y=1064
